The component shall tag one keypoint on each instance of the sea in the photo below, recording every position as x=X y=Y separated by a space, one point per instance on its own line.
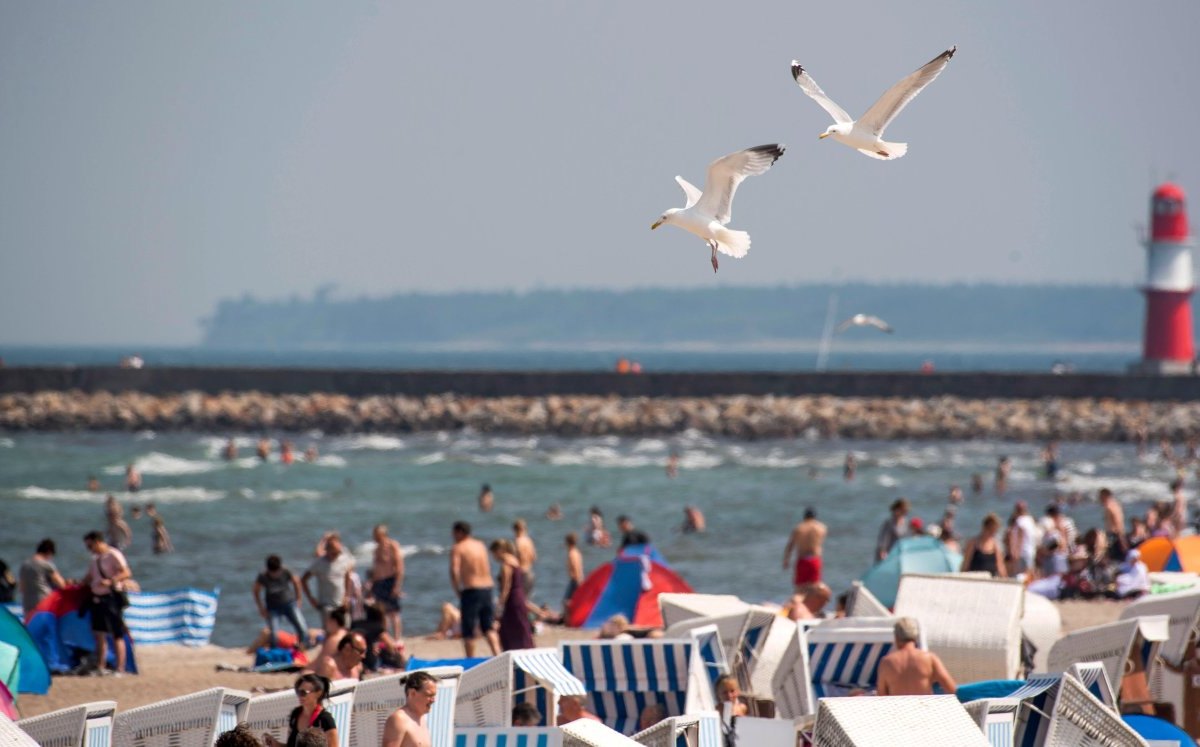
x=225 y=517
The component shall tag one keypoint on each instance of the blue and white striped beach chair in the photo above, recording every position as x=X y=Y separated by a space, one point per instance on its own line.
x=491 y=689
x=764 y=639
x=508 y=736
x=623 y=677
x=376 y=699
x=831 y=659
x=269 y=713
x=1073 y=717
x=187 y=721
x=1183 y=611
x=712 y=651
x=87 y=725
x=1122 y=647
x=182 y=616
x=1038 y=695
x=693 y=730
x=997 y=719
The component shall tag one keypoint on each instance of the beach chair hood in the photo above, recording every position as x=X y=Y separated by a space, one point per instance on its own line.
x=489 y=691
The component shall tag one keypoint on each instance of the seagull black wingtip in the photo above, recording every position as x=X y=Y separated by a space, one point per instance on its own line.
x=797 y=70
x=774 y=149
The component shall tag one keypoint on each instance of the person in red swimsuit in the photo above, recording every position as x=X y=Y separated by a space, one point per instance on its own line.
x=808 y=538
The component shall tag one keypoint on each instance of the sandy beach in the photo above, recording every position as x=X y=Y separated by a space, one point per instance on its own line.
x=169 y=671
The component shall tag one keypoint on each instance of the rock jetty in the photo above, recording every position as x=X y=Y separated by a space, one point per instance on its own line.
x=745 y=417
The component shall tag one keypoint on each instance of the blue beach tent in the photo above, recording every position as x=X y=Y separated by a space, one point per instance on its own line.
x=34 y=675
x=921 y=554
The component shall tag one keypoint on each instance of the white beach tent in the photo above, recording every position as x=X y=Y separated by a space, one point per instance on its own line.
x=1116 y=645
x=490 y=690
x=896 y=721
x=376 y=699
x=622 y=677
x=972 y=624
x=693 y=730
x=187 y=721
x=269 y=713
x=87 y=725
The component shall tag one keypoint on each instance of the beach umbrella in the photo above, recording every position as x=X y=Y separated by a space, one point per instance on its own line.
x=628 y=585
x=34 y=675
x=1164 y=554
x=921 y=554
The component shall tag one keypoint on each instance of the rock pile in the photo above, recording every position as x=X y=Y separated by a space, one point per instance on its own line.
x=747 y=417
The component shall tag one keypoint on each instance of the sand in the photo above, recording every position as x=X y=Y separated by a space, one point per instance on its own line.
x=169 y=671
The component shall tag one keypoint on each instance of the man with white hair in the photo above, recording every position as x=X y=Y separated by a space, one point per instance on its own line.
x=908 y=670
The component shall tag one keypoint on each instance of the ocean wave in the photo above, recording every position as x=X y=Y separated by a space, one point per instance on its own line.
x=1126 y=489
x=502 y=460
x=330 y=460
x=364 y=552
x=7 y=443
x=368 y=442
x=502 y=442
x=650 y=444
x=287 y=495
x=156 y=495
x=428 y=459
x=146 y=435
x=886 y=481
x=157 y=463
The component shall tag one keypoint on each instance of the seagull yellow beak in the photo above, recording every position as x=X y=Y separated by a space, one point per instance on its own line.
x=822 y=136
x=657 y=223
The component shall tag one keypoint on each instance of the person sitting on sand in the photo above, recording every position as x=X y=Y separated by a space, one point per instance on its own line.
x=450 y=626
x=573 y=708
x=347 y=663
x=808 y=604
x=336 y=627
x=908 y=670
x=729 y=692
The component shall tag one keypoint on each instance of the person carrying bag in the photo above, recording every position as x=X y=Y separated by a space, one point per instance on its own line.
x=106 y=574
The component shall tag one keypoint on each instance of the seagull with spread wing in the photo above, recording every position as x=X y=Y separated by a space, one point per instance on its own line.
x=865 y=320
x=866 y=134
x=707 y=213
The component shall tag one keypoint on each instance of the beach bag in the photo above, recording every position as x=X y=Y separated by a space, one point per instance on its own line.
x=266 y=655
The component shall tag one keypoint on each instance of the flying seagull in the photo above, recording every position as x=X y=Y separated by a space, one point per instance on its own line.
x=707 y=213
x=866 y=134
x=865 y=320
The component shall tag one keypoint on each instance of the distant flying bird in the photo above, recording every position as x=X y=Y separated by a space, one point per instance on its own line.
x=866 y=134
x=707 y=213
x=865 y=320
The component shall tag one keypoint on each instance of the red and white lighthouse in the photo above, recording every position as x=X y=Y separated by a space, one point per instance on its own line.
x=1167 y=345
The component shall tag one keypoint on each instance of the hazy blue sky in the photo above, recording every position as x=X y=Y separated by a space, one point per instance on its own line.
x=157 y=157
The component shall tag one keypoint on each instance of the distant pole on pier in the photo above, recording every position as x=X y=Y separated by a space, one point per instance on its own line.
x=827 y=333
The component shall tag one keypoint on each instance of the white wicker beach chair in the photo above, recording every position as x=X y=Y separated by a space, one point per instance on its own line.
x=187 y=721
x=87 y=725
x=376 y=699
x=508 y=736
x=693 y=730
x=12 y=735
x=831 y=659
x=1042 y=625
x=996 y=718
x=1115 y=645
x=972 y=624
x=1037 y=697
x=676 y=608
x=762 y=643
x=896 y=721
x=1076 y=719
x=491 y=689
x=1183 y=630
x=269 y=713
x=862 y=603
x=623 y=677
x=588 y=733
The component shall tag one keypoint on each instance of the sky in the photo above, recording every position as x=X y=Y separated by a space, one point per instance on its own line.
x=156 y=158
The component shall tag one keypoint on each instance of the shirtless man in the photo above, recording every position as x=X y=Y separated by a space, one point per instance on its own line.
x=807 y=539
x=406 y=726
x=486 y=498
x=573 y=708
x=526 y=553
x=574 y=569
x=387 y=578
x=133 y=479
x=347 y=663
x=471 y=579
x=908 y=670
x=1114 y=524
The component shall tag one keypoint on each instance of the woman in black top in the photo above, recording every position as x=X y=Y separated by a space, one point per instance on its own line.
x=983 y=552
x=312 y=690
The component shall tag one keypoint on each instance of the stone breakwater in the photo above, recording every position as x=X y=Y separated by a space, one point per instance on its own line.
x=747 y=417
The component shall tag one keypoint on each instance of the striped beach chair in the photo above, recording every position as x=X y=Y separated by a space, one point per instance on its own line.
x=623 y=677
x=187 y=721
x=508 y=736
x=833 y=658
x=712 y=651
x=1074 y=718
x=588 y=733
x=181 y=616
x=693 y=730
x=996 y=718
x=1122 y=647
x=378 y=698
x=1036 y=699
x=1183 y=630
x=761 y=646
x=269 y=713
x=491 y=689
x=87 y=725
x=972 y=624
x=896 y=721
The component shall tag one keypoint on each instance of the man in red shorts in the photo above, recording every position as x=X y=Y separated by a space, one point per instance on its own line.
x=807 y=539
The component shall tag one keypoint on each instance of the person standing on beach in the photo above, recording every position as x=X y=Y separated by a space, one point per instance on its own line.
x=574 y=569
x=471 y=579
x=332 y=571
x=515 y=631
x=1114 y=524
x=807 y=539
x=105 y=576
x=406 y=727
x=908 y=670
x=39 y=576
x=486 y=498
x=894 y=528
x=277 y=595
x=984 y=552
x=387 y=578
x=526 y=553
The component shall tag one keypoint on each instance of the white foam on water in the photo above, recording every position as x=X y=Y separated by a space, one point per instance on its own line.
x=427 y=459
x=1127 y=489
x=7 y=443
x=1083 y=468
x=287 y=495
x=369 y=442
x=214 y=446
x=503 y=460
x=655 y=445
x=887 y=481
x=772 y=460
x=146 y=435
x=501 y=442
x=330 y=460
x=699 y=460
x=157 y=463
x=157 y=495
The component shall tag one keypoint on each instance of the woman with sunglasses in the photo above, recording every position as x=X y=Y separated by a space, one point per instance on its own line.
x=312 y=690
